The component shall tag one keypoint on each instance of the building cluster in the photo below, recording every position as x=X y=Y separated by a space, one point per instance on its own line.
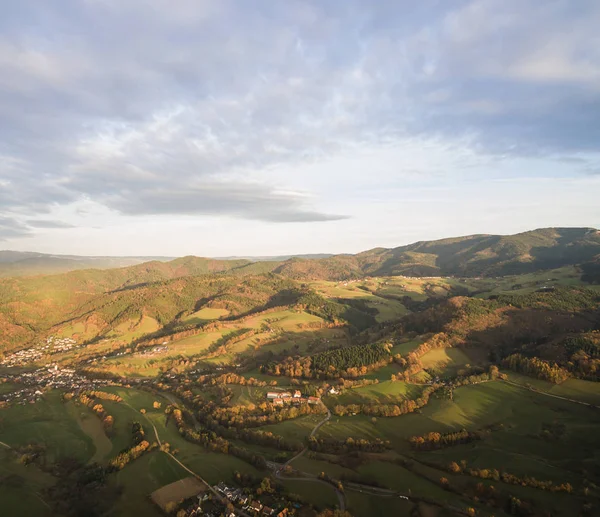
x=155 y=350
x=50 y=376
x=209 y=507
x=52 y=345
x=282 y=398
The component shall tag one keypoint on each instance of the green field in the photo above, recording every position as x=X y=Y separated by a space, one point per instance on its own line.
x=48 y=422
x=576 y=389
x=382 y=392
x=203 y=315
x=445 y=360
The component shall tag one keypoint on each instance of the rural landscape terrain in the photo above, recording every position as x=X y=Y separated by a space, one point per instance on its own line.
x=450 y=377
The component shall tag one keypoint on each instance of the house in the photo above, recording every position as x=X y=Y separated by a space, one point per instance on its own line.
x=272 y=395
x=268 y=511
x=333 y=391
x=297 y=394
x=255 y=506
x=286 y=395
x=283 y=513
x=313 y=400
x=278 y=402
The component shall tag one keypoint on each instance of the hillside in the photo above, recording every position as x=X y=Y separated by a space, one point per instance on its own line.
x=409 y=394
x=470 y=256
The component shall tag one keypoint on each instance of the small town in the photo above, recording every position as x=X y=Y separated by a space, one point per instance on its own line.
x=243 y=500
x=49 y=376
x=53 y=345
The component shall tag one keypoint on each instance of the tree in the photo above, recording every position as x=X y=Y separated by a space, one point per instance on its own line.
x=156 y=404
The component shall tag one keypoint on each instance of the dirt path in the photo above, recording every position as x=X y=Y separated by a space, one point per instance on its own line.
x=5 y=445
x=550 y=394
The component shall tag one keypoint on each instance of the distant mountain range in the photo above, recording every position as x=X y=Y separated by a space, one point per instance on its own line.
x=20 y=263
x=474 y=255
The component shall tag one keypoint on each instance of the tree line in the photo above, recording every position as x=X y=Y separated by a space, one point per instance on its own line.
x=387 y=410
x=333 y=446
x=536 y=367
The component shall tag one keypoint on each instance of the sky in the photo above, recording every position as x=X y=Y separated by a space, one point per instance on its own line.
x=220 y=128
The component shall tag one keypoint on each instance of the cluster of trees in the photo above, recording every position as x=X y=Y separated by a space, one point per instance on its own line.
x=107 y=420
x=536 y=367
x=211 y=441
x=434 y=440
x=30 y=453
x=81 y=490
x=231 y=378
x=584 y=366
x=349 y=361
x=510 y=479
x=290 y=367
x=387 y=410
x=589 y=343
x=254 y=416
x=131 y=454
x=558 y=299
x=332 y=446
x=356 y=356
x=103 y=395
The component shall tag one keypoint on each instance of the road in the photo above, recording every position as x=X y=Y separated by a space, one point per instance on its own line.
x=224 y=500
x=309 y=477
x=312 y=433
x=5 y=445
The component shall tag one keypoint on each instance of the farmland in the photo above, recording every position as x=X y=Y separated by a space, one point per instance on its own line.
x=385 y=387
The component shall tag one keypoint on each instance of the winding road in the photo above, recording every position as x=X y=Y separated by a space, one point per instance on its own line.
x=224 y=500
x=278 y=468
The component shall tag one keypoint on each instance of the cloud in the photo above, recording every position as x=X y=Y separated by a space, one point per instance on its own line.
x=11 y=228
x=161 y=108
x=41 y=223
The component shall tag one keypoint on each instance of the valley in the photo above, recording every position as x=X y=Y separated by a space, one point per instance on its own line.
x=400 y=382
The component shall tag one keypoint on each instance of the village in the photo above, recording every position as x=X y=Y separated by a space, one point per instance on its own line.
x=49 y=376
x=53 y=345
x=222 y=499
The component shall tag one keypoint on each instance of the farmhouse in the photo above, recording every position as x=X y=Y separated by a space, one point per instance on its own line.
x=297 y=394
x=272 y=395
x=278 y=402
x=313 y=400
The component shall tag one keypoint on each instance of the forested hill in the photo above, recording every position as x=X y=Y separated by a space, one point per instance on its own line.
x=469 y=256
x=474 y=255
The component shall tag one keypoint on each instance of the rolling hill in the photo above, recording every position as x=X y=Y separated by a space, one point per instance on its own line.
x=470 y=256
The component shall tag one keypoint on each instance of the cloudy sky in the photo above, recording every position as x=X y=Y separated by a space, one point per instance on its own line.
x=222 y=127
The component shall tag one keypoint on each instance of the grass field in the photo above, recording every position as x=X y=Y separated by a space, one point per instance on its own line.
x=48 y=422
x=23 y=496
x=382 y=392
x=91 y=425
x=318 y=494
x=445 y=360
x=204 y=315
x=405 y=348
x=576 y=389
x=364 y=505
